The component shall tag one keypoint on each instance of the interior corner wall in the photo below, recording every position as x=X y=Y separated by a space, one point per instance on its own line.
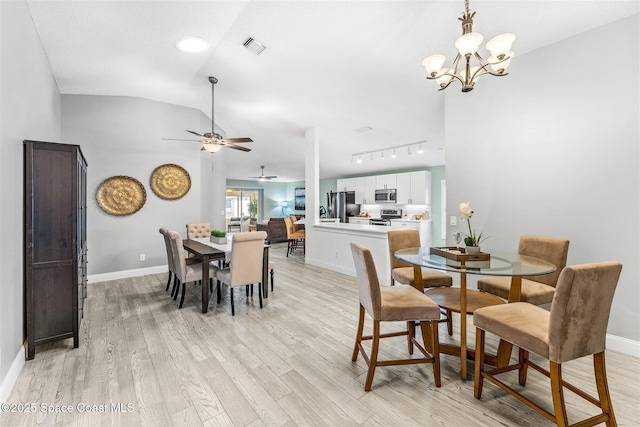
x=30 y=109
x=552 y=149
x=123 y=136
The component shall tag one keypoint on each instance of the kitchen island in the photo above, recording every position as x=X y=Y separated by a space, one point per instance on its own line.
x=328 y=246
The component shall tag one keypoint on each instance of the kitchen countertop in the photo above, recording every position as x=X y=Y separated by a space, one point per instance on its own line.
x=380 y=230
x=409 y=220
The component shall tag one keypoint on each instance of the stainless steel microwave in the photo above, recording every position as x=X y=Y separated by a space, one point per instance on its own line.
x=387 y=195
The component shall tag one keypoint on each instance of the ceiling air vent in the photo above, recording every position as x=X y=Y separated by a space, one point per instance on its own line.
x=254 y=45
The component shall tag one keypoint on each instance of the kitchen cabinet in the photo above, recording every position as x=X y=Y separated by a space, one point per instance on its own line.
x=346 y=184
x=386 y=181
x=55 y=242
x=414 y=188
x=361 y=221
x=366 y=190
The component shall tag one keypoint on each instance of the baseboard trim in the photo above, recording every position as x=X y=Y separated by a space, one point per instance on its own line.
x=12 y=376
x=623 y=345
x=123 y=274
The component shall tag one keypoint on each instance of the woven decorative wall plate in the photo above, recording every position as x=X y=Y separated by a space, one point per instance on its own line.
x=121 y=195
x=170 y=182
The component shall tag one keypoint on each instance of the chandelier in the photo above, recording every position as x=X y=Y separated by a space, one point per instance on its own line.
x=467 y=44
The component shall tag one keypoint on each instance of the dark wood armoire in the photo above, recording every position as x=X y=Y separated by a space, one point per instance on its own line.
x=55 y=242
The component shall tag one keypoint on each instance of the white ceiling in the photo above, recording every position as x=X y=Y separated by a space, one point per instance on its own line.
x=335 y=65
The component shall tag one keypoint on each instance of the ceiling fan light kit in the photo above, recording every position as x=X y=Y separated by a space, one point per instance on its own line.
x=213 y=142
x=468 y=44
x=262 y=176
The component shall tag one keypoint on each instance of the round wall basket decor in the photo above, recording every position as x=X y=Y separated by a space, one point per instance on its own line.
x=170 y=182
x=121 y=195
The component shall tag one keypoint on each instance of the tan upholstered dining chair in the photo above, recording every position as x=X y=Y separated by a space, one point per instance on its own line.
x=184 y=272
x=197 y=230
x=402 y=272
x=246 y=265
x=575 y=327
x=393 y=304
x=294 y=237
x=536 y=290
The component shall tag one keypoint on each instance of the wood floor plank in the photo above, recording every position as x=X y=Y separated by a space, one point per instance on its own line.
x=287 y=364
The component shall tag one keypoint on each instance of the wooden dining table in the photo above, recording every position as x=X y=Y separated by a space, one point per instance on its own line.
x=206 y=254
x=465 y=301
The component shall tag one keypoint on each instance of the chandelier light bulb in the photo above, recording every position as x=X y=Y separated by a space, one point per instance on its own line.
x=501 y=45
x=433 y=64
x=468 y=44
x=500 y=66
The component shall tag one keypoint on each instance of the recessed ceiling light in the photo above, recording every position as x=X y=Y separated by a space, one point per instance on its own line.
x=192 y=44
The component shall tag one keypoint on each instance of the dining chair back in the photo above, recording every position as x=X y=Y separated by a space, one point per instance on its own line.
x=536 y=290
x=235 y=223
x=246 y=266
x=575 y=327
x=184 y=272
x=167 y=243
x=402 y=271
x=294 y=237
x=392 y=304
x=198 y=230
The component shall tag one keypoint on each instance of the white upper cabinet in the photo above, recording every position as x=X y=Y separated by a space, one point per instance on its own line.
x=347 y=184
x=365 y=190
x=386 y=181
x=414 y=188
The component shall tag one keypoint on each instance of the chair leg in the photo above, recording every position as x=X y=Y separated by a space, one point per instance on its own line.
x=233 y=311
x=523 y=357
x=175 y=295
x=356 y=347
x=374 y=355
x=175 y=284
x=449 y=323
x=247 y=290
x=435 y=345
x=288 y=247
x=260 y=293
x=168 y=281
x=411 y=329
x=271 y=280
x=218 y=291
x=478 y=379
x=184 y=288
x=555 y=369
x=603 y=388
x=210 y=285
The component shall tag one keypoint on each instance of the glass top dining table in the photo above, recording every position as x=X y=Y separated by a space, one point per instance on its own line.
x=466 y=301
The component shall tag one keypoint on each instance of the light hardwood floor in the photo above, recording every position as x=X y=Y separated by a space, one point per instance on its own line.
x=287 y=364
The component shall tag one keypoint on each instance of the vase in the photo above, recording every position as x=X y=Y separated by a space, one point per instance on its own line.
x=219 y=240
x=472 y=249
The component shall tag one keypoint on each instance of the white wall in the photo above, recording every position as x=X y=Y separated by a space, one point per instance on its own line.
x=552 y=149
x=29 y=109
x=122 y=136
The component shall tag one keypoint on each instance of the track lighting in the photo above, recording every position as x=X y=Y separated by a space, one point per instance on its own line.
x=394 y=151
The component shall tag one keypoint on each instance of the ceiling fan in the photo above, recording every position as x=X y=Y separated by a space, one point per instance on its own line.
x=212 y=141
x=262 y=176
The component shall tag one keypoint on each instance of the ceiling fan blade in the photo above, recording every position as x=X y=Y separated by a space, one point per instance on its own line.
x=179 y=139
x=195 y=133
x=238 y=147
x=271 y=177
x=236 y=140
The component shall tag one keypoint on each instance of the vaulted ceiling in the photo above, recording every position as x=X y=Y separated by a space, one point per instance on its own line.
x=341 y=66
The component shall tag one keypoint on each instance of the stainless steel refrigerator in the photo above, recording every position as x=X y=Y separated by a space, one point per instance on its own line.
x=342 y=205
